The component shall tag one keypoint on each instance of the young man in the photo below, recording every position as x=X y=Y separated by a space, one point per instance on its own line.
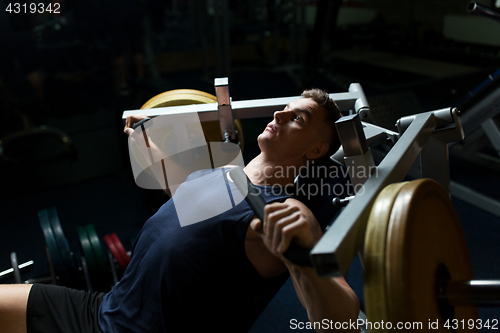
x=208 y=275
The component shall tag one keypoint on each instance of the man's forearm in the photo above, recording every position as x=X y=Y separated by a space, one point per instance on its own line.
x=324 y=298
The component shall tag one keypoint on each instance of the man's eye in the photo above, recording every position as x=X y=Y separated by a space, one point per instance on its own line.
x=297 y=118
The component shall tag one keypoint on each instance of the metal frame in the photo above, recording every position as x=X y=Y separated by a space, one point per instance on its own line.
x=478 y=118
x=475 y=198
x=490 y=128
x=353 y=101
x=425 y=135
x=419 y=133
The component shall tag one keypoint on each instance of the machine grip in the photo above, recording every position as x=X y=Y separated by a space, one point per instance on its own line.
x=140 y=123
x=295 y=253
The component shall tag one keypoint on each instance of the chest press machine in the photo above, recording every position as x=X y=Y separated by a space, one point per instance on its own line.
x=417 y=266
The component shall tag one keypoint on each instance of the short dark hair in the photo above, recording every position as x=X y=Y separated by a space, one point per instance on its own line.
x=332 y=114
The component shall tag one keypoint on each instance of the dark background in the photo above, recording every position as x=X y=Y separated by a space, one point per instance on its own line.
x=77 y=72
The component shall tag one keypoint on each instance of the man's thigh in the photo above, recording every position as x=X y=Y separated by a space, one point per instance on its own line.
x=56 y=309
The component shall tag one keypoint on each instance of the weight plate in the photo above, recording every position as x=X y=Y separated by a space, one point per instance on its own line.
x=86 y=274
x=64 y=249
x=112 y=248
x=88 y=253
x=424 y=233
x=374 y=254
x=191 y=96
x=121 y=250
x=97 y=248
x=48 y=234
x=423 y=237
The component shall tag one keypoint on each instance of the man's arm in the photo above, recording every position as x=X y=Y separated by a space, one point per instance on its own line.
x=162 y=165
x=323 y=298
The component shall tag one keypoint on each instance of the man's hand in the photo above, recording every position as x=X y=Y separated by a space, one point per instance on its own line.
x=131 y=120
x=284 y=222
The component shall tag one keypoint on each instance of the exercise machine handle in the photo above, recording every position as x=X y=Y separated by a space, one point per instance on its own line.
x=295 y=253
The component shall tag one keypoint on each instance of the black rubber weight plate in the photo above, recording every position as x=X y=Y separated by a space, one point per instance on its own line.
x=64 y=249
x=100 y=257
x=88 y=253
x=50 y=240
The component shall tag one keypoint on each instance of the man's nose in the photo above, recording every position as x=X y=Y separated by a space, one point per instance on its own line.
x=282 y=115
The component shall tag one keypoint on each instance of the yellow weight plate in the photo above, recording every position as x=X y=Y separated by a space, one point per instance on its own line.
x=374 y=259
x=190 y=96
x=424 y=233
x=179 y=97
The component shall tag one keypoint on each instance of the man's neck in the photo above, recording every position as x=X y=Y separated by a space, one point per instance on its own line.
x=263 y=171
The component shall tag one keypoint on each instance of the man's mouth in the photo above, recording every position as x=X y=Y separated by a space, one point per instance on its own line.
x=271 y=128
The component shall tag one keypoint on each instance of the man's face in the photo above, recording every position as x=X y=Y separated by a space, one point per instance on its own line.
x=295 y=131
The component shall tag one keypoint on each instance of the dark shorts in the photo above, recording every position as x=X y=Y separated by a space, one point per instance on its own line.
x=55 y=309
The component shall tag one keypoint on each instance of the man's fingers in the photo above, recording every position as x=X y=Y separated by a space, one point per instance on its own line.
x=280 y=238
x=130 y=121
x=299 y=232
x=270 y=209
x=256 y=225
x=272 y=226
x=272 y=213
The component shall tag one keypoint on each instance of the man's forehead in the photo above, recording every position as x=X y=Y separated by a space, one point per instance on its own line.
x=307 y=104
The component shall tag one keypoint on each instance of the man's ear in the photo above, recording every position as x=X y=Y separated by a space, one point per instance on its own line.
x=318 y=151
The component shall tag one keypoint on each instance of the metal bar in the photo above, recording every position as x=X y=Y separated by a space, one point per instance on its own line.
x=352 y=135
x=357 y=154
x=226 y=117
x=361 y=105
x=474 y=198
x=475 y=8
x=444 y=117
x=486 y=108
x=434 y=162
x=207 y=112
x=492 y=132
x=375 y=135
x=244 y=109
x=340 y=244
x=11 y=270
x=15 y=267
x=471 y=293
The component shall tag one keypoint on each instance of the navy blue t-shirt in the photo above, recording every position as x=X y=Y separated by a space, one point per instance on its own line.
x=195 y=277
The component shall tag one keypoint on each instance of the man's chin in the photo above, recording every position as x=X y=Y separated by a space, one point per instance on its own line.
x=263 y=141
x=264 y=136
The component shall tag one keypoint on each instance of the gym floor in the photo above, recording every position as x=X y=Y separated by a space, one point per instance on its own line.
x=94 y=184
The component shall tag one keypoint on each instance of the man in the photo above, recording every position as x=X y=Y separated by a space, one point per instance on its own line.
x=207 y=275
